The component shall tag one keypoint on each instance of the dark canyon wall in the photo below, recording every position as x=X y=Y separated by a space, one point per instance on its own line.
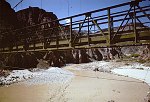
x=34 y=15
x=8 y=18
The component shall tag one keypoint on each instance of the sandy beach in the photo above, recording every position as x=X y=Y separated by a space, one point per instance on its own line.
x=86 y=86
x=32 y=93
x=85 y=89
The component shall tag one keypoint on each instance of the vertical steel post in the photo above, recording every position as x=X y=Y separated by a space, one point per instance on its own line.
x=16 y=46
x=79 y=33
x=112 y=25
x=57 y=41
x=88 y=35
x=34 y=46
x=132 y=24
x=71 y=41
x=109 y=26
x=45 y=43
x=94 y=28
x=135 y=30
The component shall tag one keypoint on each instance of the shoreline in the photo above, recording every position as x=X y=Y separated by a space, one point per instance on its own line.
x=85 y=85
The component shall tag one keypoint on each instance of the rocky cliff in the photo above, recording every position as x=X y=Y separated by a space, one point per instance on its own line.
x=34 y=15
x=8 y=18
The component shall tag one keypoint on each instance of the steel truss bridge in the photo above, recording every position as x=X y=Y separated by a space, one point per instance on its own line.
x=126 y=24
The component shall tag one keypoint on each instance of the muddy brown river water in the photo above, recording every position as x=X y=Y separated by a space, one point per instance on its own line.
x=81 y=89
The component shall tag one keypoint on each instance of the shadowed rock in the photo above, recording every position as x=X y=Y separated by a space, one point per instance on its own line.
x=84 y=57
x=25 y=60
x=55 y=58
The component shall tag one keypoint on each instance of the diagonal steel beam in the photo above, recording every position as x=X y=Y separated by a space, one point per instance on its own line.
x=143 y=12
x=122 y=22
x=125 y=24
x=94 y=22
x=79 y=30
x=139 y=21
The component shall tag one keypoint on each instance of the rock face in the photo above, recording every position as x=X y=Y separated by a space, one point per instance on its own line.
x=145 y=54
x=131 y=50
x=25 y=60
x=8 y=18
x=8 y=21
x=34 y=15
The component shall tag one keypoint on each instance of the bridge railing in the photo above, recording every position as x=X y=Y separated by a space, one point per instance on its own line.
x=104 y=27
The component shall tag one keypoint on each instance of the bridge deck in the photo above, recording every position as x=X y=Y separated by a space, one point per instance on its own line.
x=96 y=41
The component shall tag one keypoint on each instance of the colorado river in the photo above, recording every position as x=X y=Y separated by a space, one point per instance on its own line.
x=141 y=74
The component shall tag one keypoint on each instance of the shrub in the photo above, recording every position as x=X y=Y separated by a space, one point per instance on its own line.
x=134 y=55
x=141 y=61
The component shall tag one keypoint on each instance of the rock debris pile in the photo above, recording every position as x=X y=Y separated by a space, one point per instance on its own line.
x=101 y=66
x=40 y=76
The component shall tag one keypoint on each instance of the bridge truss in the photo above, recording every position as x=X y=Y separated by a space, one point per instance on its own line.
x=125 y=24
